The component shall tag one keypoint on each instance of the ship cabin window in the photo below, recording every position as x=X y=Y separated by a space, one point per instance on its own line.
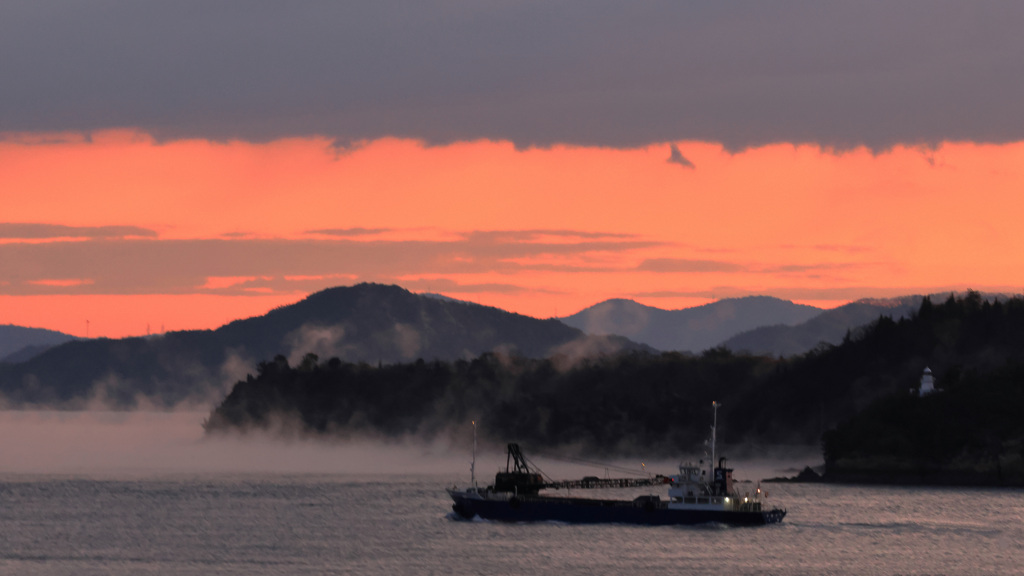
x=702 y=500
x=677 y=499
x=690 y=500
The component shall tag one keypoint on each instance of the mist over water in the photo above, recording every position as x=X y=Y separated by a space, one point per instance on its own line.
x=143 y=443
x=124 y=493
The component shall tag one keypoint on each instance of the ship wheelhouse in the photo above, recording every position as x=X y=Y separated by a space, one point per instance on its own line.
x=690 y=491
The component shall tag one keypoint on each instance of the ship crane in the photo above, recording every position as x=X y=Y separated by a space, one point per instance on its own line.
x=518 y=477
x=594 y=482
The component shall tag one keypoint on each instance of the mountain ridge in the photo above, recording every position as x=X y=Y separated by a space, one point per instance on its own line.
x=832 y=326
x=19 y=343
x=687 y=329
x=828 y=327
x=371 y=323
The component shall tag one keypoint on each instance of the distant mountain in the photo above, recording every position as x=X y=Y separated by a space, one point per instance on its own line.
x=829 y=327
x=369 y=323
x=18 y=343
x=689 y=329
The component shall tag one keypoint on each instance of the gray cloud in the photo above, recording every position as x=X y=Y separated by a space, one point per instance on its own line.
x=133 y=266
x=676 y=265
x=685 y=265
x=19 y=231
x=676 y=157
x=359 y=231
x=446 y=285
x=599 y=72
x=806 y=268
x=847 y=248
x=539 y=235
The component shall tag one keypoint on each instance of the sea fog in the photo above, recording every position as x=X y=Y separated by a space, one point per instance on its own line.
x=119 y=444
x=124 y=493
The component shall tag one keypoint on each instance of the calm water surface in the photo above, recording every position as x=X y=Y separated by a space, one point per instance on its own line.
x=371 y=524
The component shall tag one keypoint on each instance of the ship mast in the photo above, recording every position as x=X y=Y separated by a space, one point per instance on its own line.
x=714 y=425
x=472 y=465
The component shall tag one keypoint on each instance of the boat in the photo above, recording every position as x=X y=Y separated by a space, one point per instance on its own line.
x=522 y=494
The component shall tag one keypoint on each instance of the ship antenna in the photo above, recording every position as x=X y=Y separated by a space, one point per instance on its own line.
x=714 y=425
x=472 y=465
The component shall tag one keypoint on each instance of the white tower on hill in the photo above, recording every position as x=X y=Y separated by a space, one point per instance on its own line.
x=927 y=383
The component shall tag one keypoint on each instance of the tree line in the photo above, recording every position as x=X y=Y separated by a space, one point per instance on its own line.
x=661 y=402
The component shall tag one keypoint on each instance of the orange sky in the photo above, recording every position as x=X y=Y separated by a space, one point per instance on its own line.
x=539 y=231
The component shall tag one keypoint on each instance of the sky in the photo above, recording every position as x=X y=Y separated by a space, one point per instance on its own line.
x=177 y=165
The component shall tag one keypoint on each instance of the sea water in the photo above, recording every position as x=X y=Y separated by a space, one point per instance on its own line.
x=344 y=523
x=128 y=493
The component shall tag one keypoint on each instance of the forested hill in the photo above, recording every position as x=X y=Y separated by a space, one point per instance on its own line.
x=829 y=326
x=369 y=323
x=381 y=323
x=637 y=401
x=605 y=404
x=969 y=432
x=832 y=384
x=972 y=432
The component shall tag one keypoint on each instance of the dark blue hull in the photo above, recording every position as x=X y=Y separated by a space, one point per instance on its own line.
x=585 y=511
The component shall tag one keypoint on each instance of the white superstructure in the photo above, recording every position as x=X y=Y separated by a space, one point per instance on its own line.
x=927 y=383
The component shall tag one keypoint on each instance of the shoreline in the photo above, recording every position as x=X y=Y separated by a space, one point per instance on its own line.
x=934 y=478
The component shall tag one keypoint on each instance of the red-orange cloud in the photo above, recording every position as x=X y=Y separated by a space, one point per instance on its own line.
x=539 y=231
